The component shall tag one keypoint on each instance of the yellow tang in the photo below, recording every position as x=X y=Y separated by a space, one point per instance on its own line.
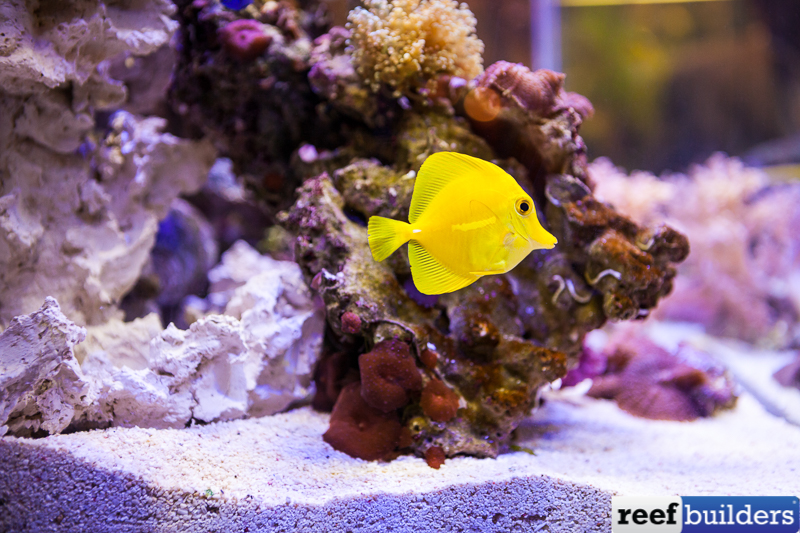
x=468 y=219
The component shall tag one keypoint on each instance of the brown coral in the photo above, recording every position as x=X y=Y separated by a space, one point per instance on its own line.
x=388 y=372
x=405 y=44
x=438 y=401
x=244 y=39
x=360 y=430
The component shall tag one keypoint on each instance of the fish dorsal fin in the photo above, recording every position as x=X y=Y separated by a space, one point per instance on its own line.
x=430 y=275
x=441 y=169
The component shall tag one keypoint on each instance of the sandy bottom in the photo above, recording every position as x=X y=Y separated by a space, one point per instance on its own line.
x=276 y=474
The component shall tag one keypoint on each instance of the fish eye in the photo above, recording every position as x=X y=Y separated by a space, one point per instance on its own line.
x=524 y=207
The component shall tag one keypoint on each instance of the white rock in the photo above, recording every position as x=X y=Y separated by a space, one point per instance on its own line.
x=258 y=357
x=64 y=234
x=41 y=384
x=44 y=48
x=129 y=397
x=239 y=264
x=123 y=344
x=254 y=360
x=68 y=230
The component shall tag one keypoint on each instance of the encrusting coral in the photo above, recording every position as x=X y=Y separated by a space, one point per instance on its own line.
x=404 y=44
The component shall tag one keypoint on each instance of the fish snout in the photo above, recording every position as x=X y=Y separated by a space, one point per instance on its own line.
x=539 y=237
x=542 y=239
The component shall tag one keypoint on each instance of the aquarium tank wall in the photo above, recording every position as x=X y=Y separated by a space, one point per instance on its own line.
x=407 y=265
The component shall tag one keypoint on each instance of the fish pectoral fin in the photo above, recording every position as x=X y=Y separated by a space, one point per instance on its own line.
x=430 y=275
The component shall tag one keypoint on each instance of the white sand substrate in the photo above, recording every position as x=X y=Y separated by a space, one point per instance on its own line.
x=277 y=474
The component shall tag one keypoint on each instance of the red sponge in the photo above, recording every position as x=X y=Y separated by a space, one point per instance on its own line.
x=388 y=372
x=434 y=456
x=360 y=430
x=438 y=401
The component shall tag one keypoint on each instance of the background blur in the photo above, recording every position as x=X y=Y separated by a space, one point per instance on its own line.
x=672 y=82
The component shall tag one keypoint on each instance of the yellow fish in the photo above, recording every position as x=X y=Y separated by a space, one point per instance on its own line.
x=468 y=219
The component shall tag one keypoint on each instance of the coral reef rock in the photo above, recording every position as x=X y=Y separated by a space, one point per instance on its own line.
x=75 y=224
x=41 y=384
x=486 y=349
x=528 y=115
x=243 y=81
x=741 y=278
x=44 y=49
x=354 y=113
x=483 y=352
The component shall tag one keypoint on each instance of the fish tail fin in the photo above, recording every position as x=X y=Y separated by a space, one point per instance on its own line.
x=386 y=236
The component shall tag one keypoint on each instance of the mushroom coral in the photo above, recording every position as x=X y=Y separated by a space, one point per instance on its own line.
x=648 y=381
x=360 y=430
x=244 y=39
x=388 y=372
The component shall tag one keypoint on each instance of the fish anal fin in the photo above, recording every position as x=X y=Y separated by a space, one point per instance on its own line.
x=488 y=273
x=430 y=275
x=440 y=170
